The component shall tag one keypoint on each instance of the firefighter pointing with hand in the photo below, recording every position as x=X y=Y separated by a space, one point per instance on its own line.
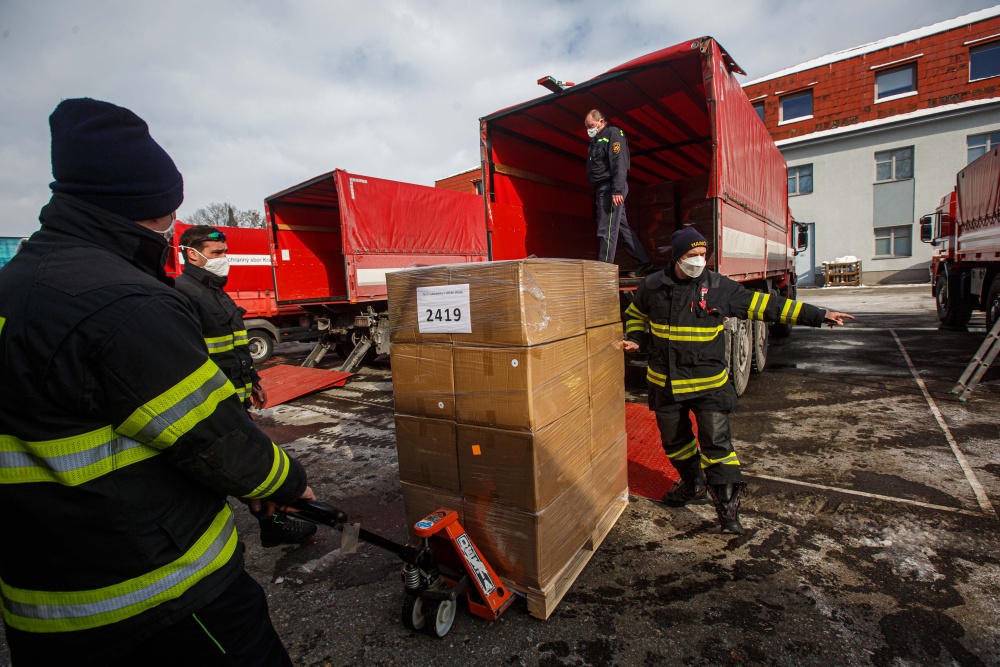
x=681 y=311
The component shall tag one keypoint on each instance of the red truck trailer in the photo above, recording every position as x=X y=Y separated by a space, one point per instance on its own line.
x=251 y=285
x=965 y=228
x=700 y=156
x=334 y=237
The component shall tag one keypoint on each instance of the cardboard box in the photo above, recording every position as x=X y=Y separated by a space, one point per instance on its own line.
x=401 y=289
x=607 y=410
x=531 y=548
x=419 y=501
x=605 y=364
x=423 y=381
x=523 y=388
x=428 y=452
x=525 y=469
x=609 y=474
x=522 y=302
x=600 y=293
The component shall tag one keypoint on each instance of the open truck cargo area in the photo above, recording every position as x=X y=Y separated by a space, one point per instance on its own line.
x=699 y=157
x=335 y=237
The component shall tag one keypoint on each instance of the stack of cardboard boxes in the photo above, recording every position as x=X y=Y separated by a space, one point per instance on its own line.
x=510 y=408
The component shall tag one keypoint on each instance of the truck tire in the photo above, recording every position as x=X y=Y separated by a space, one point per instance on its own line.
x=260 y=344
x=760 y=343
x=952 y=309
x=993 y=304
x=741 y=356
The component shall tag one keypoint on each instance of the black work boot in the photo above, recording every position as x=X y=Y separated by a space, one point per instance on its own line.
x=686 y=492
x=726 y=498
x=283 y=529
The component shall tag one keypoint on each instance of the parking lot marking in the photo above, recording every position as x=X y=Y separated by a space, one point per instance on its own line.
x=970 y=475
x=875 y=496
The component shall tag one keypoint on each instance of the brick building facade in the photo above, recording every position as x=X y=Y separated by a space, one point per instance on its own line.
x=470 y=180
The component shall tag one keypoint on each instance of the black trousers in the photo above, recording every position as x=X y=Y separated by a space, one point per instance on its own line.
x=612 y=225
x=713 y=449
x=233 y=631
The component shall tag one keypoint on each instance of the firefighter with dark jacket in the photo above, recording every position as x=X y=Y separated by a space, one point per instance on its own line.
x=608 y=164
x=206 y=271
x=120 y=439
x=680 y=313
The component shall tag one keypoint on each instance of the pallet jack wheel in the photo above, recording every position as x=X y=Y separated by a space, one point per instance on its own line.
x=440 y=615
x=414 y=616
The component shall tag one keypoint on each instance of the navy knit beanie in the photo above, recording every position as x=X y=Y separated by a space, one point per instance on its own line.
x=683 y=240
x=103 y=154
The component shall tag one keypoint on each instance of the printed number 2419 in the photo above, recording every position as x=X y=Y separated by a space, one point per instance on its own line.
x=444 y=315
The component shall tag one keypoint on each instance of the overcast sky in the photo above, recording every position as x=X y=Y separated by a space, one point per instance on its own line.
x=252 y=96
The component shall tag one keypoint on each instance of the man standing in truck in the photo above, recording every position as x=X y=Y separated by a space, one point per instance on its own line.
x=608 y=165
x=206 y=270
x=683 y=307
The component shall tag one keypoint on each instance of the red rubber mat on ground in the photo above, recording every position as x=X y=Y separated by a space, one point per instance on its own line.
x=650 y=473
x=283 y=382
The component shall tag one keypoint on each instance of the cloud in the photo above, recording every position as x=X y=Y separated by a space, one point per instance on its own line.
x=253 y=96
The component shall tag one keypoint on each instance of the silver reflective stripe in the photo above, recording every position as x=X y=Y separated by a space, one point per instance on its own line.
x=69 y=462
x=276 y=478
x=150 y=591
x=215 y=347
x=176 y=412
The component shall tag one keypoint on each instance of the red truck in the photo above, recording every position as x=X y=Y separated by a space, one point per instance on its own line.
x=251 y=285
x=700 y=156
x=333 y=238
x=965 y=229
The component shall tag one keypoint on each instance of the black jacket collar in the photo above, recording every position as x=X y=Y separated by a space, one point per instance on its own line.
x=205 y=277
x=141 y=247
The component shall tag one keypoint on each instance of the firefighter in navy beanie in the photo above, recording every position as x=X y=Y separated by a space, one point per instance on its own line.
x=679 y=313
x=121 y=437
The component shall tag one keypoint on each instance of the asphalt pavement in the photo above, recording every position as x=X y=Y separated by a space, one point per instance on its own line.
x=871 y=524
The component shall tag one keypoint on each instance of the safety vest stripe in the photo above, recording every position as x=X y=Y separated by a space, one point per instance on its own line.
x=165 y=419
x=656 y=378
x=58 y=611
x=633 y=326
x=240 y=338
x=686 y=334
x=699 y=384
x=68 y=461
x=685 y=452
x=784 y=311
x=758 y=312
x=753 y=304
x=279 y=471
x=669 y=329
x=636 y=313
x=795 y=313
x=3 y=321
x=727 y=460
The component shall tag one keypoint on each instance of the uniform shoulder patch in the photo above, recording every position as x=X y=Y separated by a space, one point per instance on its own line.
x=616 y=148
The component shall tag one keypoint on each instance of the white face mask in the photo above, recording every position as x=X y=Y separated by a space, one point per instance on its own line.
x=218 y=266
x=168 y=233
x=592 y=131
x=692 y=266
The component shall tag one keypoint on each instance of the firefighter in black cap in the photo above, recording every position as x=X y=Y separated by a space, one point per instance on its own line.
x=680 y=312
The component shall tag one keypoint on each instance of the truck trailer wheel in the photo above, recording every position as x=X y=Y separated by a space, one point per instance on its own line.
x=261 y=345
x=742 y=354
x=993 y=304
x=952 y=309
x=760 y=338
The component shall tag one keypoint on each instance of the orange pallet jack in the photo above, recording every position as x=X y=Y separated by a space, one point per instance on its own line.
x=445 y=566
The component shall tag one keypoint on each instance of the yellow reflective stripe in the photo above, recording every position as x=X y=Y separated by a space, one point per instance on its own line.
x=685 y=452
x=795 y=313
x=276 y=477
x=685 y=334
x=753 y=304
x=632 y=326
x=164 y=420
x=636 y=313
x=3 y=321
x=783 y=318
x=240 y=338
x=727 y=460
x=758 y=313
x=58 y=611
x=699 y=384
x=68 y=461
x=656 y=378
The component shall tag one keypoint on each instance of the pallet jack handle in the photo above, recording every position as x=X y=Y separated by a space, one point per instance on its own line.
x=327 y=515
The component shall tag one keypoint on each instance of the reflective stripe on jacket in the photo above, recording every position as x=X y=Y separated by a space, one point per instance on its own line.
x=119 y=442
x=683 y=324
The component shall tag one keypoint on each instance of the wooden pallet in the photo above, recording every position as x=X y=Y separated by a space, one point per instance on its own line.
x=541 y=603
x=848 y=273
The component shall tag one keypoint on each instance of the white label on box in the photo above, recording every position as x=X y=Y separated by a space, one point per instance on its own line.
x=444 y=309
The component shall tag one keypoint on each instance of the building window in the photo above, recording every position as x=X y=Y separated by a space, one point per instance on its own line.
x=895 y=82
x=759 y=108
x=800 y=180
x=478 y=185
x=984 y=61
x=981 y=144
x=893 y=242
x=894 y=165
x=798 y=106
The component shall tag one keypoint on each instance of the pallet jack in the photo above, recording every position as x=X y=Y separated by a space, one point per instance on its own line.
x=443 y=567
